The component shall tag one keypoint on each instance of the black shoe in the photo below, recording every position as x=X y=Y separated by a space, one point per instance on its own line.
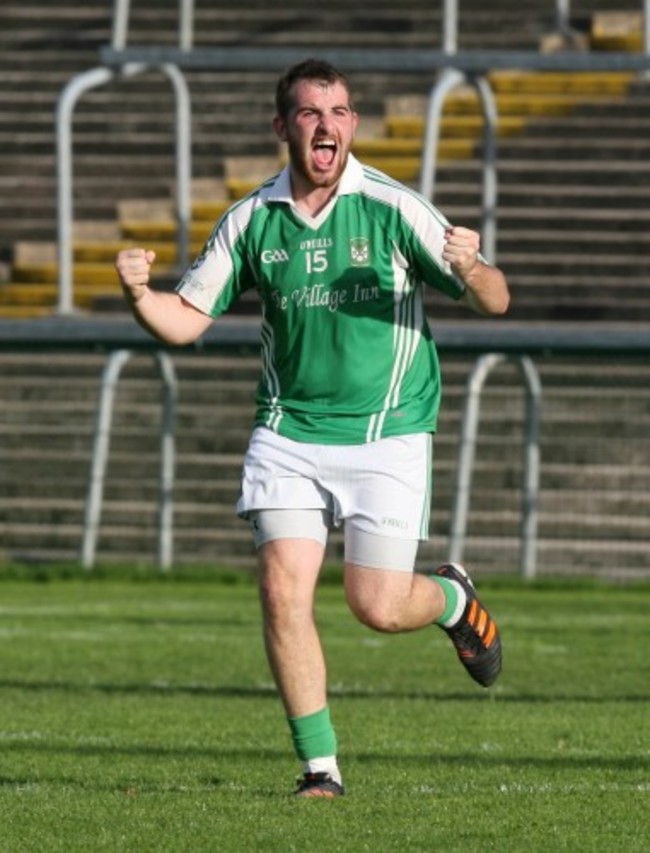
x=475 y=636
x=318 y=785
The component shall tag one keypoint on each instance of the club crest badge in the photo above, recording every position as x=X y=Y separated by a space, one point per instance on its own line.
x=360 y=252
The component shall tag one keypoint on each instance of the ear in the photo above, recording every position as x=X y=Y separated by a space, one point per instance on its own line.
x=280 y=128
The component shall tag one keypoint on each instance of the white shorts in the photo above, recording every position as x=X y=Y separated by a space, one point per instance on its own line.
x=380 y=492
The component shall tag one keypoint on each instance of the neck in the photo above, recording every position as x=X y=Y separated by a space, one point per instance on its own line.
x=309 y=198
x=314 y=201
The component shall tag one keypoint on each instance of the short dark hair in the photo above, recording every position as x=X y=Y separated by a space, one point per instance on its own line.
x=316 y=70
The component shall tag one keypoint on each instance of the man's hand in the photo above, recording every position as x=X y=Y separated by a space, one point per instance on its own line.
x=133 y=267
x=461 y=250
x=165 y=315
x=486 y=289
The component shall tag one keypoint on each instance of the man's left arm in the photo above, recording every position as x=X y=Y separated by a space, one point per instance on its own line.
x=486 y=288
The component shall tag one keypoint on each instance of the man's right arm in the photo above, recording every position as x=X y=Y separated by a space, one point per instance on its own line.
x=167 y=316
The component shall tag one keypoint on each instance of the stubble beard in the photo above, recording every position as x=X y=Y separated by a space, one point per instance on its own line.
x=301 y=164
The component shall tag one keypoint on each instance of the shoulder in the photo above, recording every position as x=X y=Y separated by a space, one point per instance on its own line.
x=244 y=212
x=407 y=201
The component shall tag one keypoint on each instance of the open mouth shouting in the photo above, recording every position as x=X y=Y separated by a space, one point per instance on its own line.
x=324 y=150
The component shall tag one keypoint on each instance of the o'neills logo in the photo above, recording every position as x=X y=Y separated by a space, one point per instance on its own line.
x=360 y=252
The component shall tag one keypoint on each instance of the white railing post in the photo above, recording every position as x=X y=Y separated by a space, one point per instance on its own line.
x=186 y=28
x=112 y=371
x=562 y=15
x=120 y=30
x=450 y=26
x=530 y=484
x=68 y=99
x=64 y=114
x=450 y=79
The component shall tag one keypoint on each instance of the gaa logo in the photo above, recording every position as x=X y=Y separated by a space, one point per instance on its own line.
x=360 y=252
x=274 y=256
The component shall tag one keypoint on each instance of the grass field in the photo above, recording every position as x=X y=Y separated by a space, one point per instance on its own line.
x=138 y=714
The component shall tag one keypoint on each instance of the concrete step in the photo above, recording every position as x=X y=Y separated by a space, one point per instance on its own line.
x=621 y=31
x=452 y=124
x=409 y=120
x=599 y=83
x=590 y=173
x=574 y=219
x=539 y=239
x=612 y=148
x=597 y=263
x=533 y=288
x=589 y=127
x=582 y=200
x=555 y=557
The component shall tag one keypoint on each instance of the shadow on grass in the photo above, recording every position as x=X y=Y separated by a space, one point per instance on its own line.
x=127 y=789
x=475 y=760
x=269 y=692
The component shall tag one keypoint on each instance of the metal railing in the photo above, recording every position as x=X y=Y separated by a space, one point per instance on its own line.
x=469 y=433
x=110 y=377
x=121 y=14
x=450 y=79
x=68 y=100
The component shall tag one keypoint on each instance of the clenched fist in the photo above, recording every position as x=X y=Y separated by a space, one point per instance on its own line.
x=461 y=250
x=133 y=267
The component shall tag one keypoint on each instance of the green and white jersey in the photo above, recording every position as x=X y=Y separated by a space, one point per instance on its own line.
x=347 y=354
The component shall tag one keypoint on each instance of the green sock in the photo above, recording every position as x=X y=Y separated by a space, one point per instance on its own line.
x=451 y=592
x=313 y=735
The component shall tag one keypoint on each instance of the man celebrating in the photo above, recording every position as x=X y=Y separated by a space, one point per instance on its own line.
x=349 y=393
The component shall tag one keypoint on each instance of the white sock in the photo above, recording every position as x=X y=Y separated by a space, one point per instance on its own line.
x=460 y=606
x=327 y=764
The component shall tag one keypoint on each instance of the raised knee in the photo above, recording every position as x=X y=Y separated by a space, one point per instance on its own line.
x=377 y=615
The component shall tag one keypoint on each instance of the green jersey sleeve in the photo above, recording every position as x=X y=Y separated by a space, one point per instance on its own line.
x=223 y=271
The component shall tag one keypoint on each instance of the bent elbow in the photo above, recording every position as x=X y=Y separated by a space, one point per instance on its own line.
x=502 y=305
x=495 y=306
